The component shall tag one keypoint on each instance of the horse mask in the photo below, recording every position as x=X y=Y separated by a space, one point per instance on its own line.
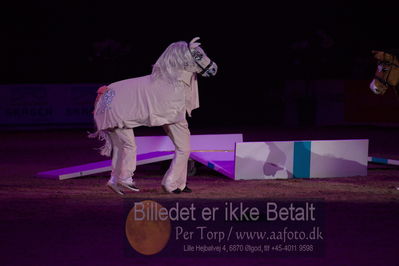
x=387 y=73
x=204 y=66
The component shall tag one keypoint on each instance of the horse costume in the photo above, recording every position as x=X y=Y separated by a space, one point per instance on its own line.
x=387 y=73
x=160 y=99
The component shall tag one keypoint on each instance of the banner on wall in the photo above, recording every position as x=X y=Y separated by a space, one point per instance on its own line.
x=312 y=102
x=47 y=105
x=338 y=102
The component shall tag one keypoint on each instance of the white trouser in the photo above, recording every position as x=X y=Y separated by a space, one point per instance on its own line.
x=176 y=176
x=124 y=155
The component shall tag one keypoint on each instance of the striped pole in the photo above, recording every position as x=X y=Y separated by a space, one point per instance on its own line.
x=383 y=160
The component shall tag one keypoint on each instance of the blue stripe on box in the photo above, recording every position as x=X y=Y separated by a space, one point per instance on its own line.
x=379 y=160
x=302 y=151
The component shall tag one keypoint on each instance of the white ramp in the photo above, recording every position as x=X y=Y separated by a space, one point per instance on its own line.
x=103 y=166
x=217 y=152
x=153 y=149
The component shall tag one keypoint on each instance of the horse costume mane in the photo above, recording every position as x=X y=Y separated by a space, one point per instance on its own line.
x=175 y=57
x=387 y=73
x=163 y=97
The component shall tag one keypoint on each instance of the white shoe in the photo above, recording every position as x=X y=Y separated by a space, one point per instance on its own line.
x=114 y=187
x=131 y=187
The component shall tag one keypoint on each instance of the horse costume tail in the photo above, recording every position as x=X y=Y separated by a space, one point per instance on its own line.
x=102 y=135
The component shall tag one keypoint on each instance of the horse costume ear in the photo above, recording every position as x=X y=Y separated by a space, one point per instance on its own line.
x=193 y=44
x=379 y=55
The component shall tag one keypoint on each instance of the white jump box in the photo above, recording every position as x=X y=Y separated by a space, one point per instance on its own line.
x=229 y=155
x=301 y=159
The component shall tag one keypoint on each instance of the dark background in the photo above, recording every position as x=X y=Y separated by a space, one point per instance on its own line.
x=257 y=45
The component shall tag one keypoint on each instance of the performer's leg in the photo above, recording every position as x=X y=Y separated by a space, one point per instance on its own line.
x=176 y=176
x=123 y=157
x=115 y=154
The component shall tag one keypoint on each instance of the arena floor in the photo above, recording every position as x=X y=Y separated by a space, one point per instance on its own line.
x=78 y=221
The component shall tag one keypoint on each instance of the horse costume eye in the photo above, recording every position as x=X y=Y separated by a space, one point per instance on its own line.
x=197 y=55
x=382 y=68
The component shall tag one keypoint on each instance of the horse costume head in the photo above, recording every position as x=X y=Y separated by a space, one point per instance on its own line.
x=183 y=56
x=205 y=66
x=387 y=73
